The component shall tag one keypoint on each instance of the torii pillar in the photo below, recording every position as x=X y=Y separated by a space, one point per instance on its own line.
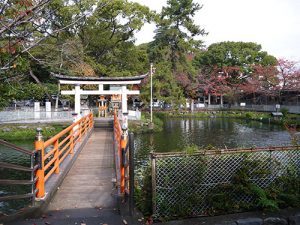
x=77 y=99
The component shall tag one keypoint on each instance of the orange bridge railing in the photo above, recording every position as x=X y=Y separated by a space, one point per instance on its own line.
x=52 y=153
x=121 y=156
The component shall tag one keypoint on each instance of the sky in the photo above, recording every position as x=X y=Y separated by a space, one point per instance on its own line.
x=275 y=24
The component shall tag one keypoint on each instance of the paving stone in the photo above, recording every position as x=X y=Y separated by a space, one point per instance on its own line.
x=275 y=221
x=250 y=221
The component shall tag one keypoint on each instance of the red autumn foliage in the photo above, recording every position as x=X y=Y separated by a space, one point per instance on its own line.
x=288 y=75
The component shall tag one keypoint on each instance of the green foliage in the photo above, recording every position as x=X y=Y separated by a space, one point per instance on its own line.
x=27 y=90
x=191 y=149
x=143 y=193
x=248 y=115
x=176 y=31
x=283 y=192
x=143 y=125
x=28 y=132
x=284 y=112
x=286 y=189
x=165 y=87
x=264 y=201
x=231 y=54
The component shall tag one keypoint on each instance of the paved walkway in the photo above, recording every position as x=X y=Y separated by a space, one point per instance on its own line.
x=86 y=195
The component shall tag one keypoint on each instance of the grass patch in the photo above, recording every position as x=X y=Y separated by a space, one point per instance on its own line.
x=143 y=126
x=12 y=132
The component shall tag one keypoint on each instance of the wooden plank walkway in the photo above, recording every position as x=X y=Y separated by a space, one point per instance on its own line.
x=88 y=183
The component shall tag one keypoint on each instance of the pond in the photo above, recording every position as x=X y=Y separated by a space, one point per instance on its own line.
x=214 y=132
x=11 y=156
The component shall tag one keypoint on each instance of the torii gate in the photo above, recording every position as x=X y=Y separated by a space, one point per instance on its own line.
x=100 y=81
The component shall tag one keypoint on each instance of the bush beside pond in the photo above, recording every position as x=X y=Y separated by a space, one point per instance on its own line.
x=144 y=126
x=13 y=132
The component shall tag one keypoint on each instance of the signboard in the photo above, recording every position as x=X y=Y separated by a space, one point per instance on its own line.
x=115 y=88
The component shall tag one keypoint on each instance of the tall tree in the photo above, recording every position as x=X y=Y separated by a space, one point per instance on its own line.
x=176 y=31
x=172 y=49
x=288 y=75
x=234 y=59
x=24 y=25
x=108 y=36
x=237 y=62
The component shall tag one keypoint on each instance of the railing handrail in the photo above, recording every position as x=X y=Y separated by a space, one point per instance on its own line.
x=17 y=167
x=63 y=132
x=121 y=147
x=63 y=145
x=17 y=148
x=226 y=151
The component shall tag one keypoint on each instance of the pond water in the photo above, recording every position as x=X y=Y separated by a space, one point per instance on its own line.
x=218 y=132
x=11 y=156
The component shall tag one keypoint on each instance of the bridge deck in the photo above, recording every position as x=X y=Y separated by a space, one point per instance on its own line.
x=88 y=184
x=86 y=195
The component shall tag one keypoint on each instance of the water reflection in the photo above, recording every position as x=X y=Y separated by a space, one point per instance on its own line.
x=219 y=132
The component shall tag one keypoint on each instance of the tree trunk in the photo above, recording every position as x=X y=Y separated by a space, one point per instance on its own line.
x=39 y=83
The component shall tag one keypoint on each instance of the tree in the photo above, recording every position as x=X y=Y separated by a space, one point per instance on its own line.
x=234 y=59
x=289 y=77
x=80 y=37
x=288 y=74
x=25 y=25
x=237 y=62
x=262 y=82
x=173 y=44
x=108 y=37
x=176 y=31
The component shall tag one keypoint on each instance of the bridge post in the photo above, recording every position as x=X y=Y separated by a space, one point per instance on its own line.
x=40 y=173
x=56 y=155
x=124 y=140
x=72 y=142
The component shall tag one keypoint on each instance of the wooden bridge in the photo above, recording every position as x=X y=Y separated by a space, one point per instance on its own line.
x=77 y=176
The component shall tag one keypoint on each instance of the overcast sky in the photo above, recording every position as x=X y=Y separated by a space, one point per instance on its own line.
x=275 y=24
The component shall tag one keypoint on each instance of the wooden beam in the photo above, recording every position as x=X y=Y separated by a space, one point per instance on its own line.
x=99 y=92
x=99 y=82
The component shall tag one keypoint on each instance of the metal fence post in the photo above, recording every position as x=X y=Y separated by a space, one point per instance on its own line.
x=153 y=174
x=131 y=173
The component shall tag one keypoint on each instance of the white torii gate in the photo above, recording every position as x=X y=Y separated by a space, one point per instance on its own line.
x=100 y=81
